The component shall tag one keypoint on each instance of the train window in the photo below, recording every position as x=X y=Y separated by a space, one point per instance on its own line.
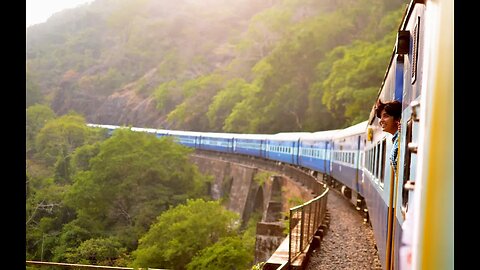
x=406 y=168
x=415 y=51
x=370 y=160
x=378 y=163
x=384 y=148
x=375 y=157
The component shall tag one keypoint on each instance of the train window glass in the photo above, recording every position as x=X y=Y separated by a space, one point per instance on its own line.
x=415 y=50
x=384 y=147
x=374 y=168
x=372 y=155
x=368 y=160
x=407 y=162
x=379 y=158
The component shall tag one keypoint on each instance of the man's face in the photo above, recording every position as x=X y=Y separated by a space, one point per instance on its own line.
x=388 y=123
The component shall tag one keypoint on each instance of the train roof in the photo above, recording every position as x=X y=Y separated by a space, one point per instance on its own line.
x=218 y=135
x=183 y=132
x=149 y=130
x=252 y=136
x=319 y=135
x=288 y=136
x=352 y=130
x=103 y=126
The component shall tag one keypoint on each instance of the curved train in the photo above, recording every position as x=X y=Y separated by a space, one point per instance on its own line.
x=412 y=212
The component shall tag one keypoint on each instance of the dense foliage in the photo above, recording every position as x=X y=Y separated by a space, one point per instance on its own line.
x=235 y=66
x=181 y=232
x=91 y=197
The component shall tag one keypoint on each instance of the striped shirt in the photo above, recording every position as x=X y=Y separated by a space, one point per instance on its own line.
x=394 y=152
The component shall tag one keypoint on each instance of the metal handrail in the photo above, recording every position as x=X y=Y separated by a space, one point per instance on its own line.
x=304 y=221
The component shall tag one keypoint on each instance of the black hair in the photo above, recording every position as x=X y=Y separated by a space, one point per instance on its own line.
x=392 y=108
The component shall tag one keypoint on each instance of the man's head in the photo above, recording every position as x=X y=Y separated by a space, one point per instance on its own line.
x=389 y=114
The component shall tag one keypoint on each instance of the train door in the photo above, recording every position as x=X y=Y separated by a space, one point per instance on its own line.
x=325 y=158
x=357 y=166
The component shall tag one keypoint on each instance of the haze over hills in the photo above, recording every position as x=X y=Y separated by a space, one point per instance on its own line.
x=216 y=65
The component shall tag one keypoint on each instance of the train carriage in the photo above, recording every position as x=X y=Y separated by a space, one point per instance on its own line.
x=284 y=147
x=315 y=151
x=250 y=144
x=347 y=157
x=222 y=142
x=187 y=138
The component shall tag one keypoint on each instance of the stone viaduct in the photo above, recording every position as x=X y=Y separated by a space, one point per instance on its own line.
x=249 y=185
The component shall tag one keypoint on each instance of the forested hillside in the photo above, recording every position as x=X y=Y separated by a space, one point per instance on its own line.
x=233 y=66
x=249 y=66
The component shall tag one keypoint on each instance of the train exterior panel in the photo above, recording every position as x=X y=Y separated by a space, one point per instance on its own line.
x=346 y=156
x=315 y=151
x=221 y=142
x=284 y=147
x=187 y=138
x=250 y=144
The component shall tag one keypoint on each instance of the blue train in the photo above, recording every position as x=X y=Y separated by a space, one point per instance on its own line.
x=411 y=212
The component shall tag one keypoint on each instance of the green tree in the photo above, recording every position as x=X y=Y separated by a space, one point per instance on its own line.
x=133 y=178
x=80 y=160
x=33 y=91
x=198 y=93
x=97 y=251
x=62 y=136
x=37 y=116
x=181 y=232
x=45 y=215
x=225 y=101
x=353 y=80
x=228 y=253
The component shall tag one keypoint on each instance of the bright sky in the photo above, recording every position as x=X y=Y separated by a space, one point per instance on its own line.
x=38 y=11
